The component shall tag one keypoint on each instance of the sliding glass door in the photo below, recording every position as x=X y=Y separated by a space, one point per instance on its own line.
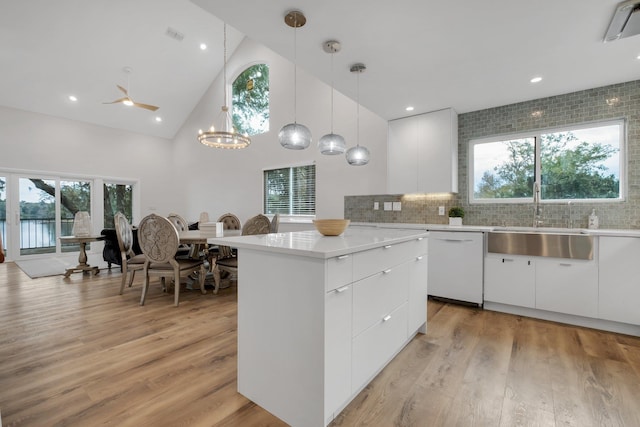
x=37 y=213
x=3 y=213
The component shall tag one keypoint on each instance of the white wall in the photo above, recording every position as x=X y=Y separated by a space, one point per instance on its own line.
x=220 y=181
x=186 y=177
x=50 y=146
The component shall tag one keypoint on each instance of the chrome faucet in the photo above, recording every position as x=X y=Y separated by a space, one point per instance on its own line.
x=537 y=209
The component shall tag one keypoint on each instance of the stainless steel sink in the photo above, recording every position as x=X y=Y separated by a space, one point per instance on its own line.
x=555 y=243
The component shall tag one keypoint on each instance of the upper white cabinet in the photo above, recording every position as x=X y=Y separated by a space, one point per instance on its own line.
x=422 y=153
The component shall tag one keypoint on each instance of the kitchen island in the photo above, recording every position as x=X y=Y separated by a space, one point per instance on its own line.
x=319 y=317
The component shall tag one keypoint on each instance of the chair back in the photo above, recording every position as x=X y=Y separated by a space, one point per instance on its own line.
x=158 y=238
x=258 y=224
x=230 y=222
x=178 y=222
x=275 y=223
x=124 y=234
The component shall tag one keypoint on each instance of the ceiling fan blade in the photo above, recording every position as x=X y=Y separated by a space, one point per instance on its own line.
x=116 y=101
x=146 y=106
x=123 y=90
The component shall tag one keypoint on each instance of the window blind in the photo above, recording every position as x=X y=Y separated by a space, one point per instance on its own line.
x=290 y=191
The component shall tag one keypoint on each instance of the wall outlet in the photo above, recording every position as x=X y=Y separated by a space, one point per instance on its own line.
x=388 y=206
x=440 y=210
x=397 y=206
x=376 y=206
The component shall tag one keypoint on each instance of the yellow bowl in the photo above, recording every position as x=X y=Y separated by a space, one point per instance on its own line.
x=331 y=227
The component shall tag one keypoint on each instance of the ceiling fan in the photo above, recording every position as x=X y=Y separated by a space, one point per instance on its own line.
x=127 y=99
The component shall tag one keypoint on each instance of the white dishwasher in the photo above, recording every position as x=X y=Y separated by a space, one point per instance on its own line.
x=455 y=268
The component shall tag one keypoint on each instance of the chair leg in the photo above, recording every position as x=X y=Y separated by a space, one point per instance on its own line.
x=124 y=278
x=145 y=286
x=133 y=273
x=176 y=288
x=203 y=273
x=216 y=279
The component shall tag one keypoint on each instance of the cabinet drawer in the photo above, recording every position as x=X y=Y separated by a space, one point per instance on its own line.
x=339 y=271
x=373 y=348
x=373 y=261
x=378 y=295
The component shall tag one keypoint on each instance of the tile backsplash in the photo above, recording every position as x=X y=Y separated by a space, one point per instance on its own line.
x=573 y=108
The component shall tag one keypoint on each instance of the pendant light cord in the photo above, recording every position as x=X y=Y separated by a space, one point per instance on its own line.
x=358 y=109
x=332 y=90
x=295 y=70
x=224 y=68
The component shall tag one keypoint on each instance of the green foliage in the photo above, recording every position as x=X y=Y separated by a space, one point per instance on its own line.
x=117 y=198
x=456 y=212
x=571 y=169
x=250 y=97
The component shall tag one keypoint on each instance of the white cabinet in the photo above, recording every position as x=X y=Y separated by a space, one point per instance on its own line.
x=510 y=280
x=455 y=265
x=337 y=347
x=418 y=292
x=567 y=286
x=619 y=286
x=422 y=154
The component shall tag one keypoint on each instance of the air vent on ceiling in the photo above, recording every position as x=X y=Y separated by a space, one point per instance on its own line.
x=174 y=34
x=625 y=21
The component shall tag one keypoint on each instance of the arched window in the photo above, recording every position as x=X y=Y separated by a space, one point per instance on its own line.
x=250 y=95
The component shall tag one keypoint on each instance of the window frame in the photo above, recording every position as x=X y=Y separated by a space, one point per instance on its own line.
x=536 y=135
x=290 y=215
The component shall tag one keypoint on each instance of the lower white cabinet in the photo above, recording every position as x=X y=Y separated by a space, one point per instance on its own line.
x=510 y=280
x=337 y=347
x=567 y=286
x=455 y=265
x=418 y=293
x=619 y=273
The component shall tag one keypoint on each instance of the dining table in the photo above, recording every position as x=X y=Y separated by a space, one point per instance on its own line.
x=199 y=242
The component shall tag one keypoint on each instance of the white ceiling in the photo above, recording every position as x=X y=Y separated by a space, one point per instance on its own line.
x=468 y=54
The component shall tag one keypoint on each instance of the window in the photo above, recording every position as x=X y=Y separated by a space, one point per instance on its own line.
x=250 y=96
x=574 y=163
x=117 y=198
x=290 y=191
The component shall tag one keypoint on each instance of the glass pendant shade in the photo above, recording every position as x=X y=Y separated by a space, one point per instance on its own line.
x=332 y=144
x=357 y=156
x=294 y=136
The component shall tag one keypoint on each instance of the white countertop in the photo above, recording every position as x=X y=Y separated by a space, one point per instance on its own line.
x=314 y=244
x=487 y=228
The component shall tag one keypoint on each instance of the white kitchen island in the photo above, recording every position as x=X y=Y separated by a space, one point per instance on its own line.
x=319 y=317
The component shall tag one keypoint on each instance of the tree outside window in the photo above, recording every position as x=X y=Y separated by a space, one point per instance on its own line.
x=250 y=97
x=583 y=163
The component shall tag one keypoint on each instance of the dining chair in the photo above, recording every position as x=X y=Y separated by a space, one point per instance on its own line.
x=131 y=262
x=230 y=222
x=275 y=223
x=227 y=260
x=181 y=224
x=159 y=242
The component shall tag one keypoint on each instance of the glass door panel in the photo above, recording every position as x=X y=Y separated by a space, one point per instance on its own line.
x=117 y=198
x=3 y=214
x=75 y=196
x=37 y=216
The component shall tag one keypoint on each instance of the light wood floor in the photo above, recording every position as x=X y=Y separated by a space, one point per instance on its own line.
x=75 y=353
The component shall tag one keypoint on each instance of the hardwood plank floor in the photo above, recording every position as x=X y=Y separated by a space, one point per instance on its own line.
x=75 y=353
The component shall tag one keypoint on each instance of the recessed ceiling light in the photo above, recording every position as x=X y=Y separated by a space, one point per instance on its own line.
x=72 y=98
x=638 y=57
x=158 y=119
x=536 y=79
x=409 y=108
x=203 y=46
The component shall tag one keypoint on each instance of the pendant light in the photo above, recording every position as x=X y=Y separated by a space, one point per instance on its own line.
x=295 y=136
x=358 y=155
x=331 y=143
x=226 y=135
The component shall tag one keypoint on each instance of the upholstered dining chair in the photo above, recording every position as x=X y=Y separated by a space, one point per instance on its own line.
x=130 y=261
x=181 y=224
x=227 y=260
x=230 y=222
x=159 y=242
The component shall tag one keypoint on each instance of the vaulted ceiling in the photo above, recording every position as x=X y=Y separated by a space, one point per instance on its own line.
x=468 y=55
